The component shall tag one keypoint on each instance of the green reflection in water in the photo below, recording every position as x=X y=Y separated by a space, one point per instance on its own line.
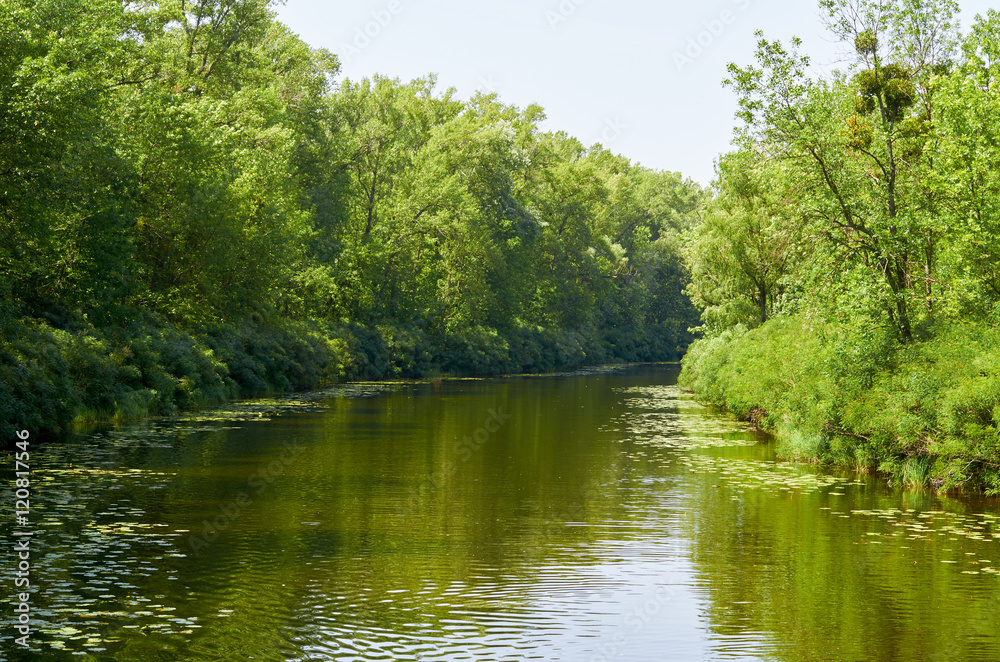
x=598 y=516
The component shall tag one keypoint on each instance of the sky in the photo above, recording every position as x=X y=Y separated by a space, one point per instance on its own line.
x=642 y=78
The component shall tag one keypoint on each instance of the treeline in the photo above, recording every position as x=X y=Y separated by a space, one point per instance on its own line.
x=848 y=265
x=193 y=208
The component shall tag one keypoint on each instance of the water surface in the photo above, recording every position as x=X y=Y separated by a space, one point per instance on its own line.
x=597 y=516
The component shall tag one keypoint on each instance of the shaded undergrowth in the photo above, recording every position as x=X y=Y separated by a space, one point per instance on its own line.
x=59 y=376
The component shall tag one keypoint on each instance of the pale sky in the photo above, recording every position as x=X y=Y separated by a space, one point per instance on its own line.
x=641 y=77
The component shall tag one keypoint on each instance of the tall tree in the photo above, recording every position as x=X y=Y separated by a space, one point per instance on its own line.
x=746 y=245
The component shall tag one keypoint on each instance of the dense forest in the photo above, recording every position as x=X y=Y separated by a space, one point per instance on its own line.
x=194 y=207
x=848 y=262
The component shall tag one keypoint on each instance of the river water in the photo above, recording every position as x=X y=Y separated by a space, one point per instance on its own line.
x=595 y=516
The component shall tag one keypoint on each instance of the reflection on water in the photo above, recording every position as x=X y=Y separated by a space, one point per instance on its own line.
x=578 y=517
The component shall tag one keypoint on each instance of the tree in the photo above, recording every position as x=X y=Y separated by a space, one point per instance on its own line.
x=745 y=248
x=859 y=143
x=969 y=167
x=214 y=133
x=64 y=190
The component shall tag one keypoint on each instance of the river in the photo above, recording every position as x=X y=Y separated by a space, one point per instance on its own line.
x=602 y=515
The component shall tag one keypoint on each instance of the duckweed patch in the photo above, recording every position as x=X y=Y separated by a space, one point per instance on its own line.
x=760 y=474
x=657 y=417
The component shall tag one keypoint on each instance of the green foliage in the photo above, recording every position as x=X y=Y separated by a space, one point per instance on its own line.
x=859 y=214
x=741 y=252
x=191 y=210
x=925 y=413
x=53 y=380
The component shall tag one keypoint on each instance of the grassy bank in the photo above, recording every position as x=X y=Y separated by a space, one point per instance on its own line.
x=925 y=413
x=57 y=376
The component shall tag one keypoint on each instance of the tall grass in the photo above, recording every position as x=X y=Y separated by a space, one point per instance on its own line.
x=926 y=413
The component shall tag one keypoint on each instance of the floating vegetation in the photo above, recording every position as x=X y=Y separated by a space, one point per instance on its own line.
x=266 y=409
x=107 y=472
x=661 y=417
x=923 y=525
x=609 y=369
x=655 y=418
x=257 y=410
x=757 y=474
x=358 y=390
x=695 y=443
x=100 y=544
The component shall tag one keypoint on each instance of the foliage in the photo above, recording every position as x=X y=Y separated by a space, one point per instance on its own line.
x=849 y=396
x=192 y=209
x=854 y=232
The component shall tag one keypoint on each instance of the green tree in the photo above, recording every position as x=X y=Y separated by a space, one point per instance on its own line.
x=213 y=135
x=859 y=144
x=745 y=249
x=64 y=190
x=969 y=159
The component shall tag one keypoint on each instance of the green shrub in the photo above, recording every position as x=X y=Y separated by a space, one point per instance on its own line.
x=474 y=351
x=410 y=351
x=64 y=373
x=52 y=380
x=924 y=413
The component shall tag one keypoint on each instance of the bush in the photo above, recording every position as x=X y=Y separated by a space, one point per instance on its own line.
x=63 y=373
x=52 y=380
x=409 y=350
x=475 y=351
x=924 y=413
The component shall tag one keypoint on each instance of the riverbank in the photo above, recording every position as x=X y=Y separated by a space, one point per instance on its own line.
x=57 y=378
x=924 y=413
